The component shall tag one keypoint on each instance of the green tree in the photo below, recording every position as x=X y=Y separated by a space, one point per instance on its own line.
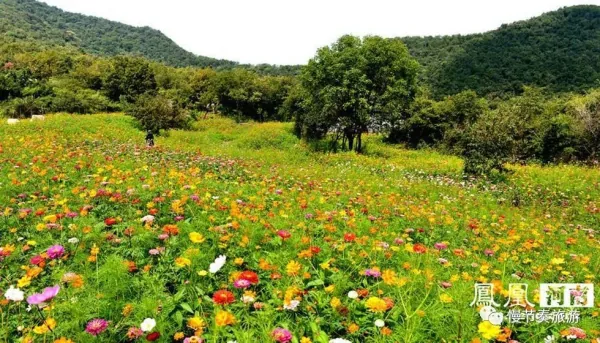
x=158 y=113
x=128 y=78
x=356 y=84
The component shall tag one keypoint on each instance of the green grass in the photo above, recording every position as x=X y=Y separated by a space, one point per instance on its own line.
x=238 y=185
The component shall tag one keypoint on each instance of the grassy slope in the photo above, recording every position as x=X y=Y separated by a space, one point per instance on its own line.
x=402 y=189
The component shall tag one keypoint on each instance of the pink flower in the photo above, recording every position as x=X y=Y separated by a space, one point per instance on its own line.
x=37 y=259
x=446 y=284
x=281 y=335
x=488 y=252
x=47 y=294
x=284 y=234
x=372 y=272
x=55 y=251
x=440 y=246
x=242 y=283
x=96 y=326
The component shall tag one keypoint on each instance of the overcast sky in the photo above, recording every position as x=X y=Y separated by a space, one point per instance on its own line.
x=290 y=31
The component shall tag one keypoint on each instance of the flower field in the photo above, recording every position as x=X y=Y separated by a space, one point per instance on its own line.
x=241 y=232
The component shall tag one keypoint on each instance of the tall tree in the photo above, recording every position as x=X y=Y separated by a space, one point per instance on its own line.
x=354 y=85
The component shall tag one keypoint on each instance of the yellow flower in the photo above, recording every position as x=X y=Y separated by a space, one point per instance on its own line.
x=63 y=340
x=178 y=336
x=293 y=268
x=335 y=302
x=375 y=304
x=203 y=273
x=182 y=262
x=330 y=288
x=195 y=323
x=557 y=261
x=488 y=330
x=445 y=298
x=49 y=324
x=224 y=318
x=196 y=237
x=238 y=261
x=24 y=281
x=305 y=340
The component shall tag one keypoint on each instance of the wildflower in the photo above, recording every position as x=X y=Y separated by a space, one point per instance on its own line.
x=349 y=237
x=195 y=323
x=134 y=333
x=293 y=268
x=284 y=234
x=223 y=297
x=153 y=336
x=353 y=294
x=14 y=294
x=148 y=324
x=47 y=294
x=55 y=251
x=73 y=240
x=250 y=276
x=241 y=283
x=488 y=330
x=147 y=219
x=573 y=333
x=291 y=305
x=419 y=248
x=445 y=298
x=440 y=246
x=379 y=323
x=373 y=272
x=217 y=264
x=224 y=318
x=196 y=237
x=193 y=339
x=110 y=221
x=339 y=340
x=375 y=304
x=182 y=262
x=96 y=326
x=281 y=335
x=63 y=340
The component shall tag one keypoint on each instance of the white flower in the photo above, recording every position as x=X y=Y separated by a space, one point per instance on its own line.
x=73 y=240
x=352 y=295
x=148 y=324
x=379 y=323
x=14 y=294
x=247 y=299
x=339 y=340
x=218 y=264
x=549 y=339
x=292 y=305
x=147 y=219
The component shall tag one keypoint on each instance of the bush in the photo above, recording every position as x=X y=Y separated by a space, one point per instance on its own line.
x=487 y=145
x=157 y=113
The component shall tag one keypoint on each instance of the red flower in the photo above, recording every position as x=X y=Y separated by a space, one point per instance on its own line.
x=349 y=237
x=419 y=248
x=284 y=234
x=223 y=297
x=315 y=250
x=153 y=336
x=110 y=221
x=250 y=276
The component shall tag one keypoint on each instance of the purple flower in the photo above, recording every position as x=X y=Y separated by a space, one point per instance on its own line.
x=372 y=272
x=96 y=326
x=47 y=294
x=55 y=251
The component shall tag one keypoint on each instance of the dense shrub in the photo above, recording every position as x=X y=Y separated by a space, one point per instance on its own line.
x=158 y=113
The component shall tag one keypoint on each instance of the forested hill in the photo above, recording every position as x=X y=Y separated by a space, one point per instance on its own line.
x=558 y=50
x=30 y=20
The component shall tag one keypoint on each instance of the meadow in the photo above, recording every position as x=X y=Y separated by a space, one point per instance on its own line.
x=243 y=232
